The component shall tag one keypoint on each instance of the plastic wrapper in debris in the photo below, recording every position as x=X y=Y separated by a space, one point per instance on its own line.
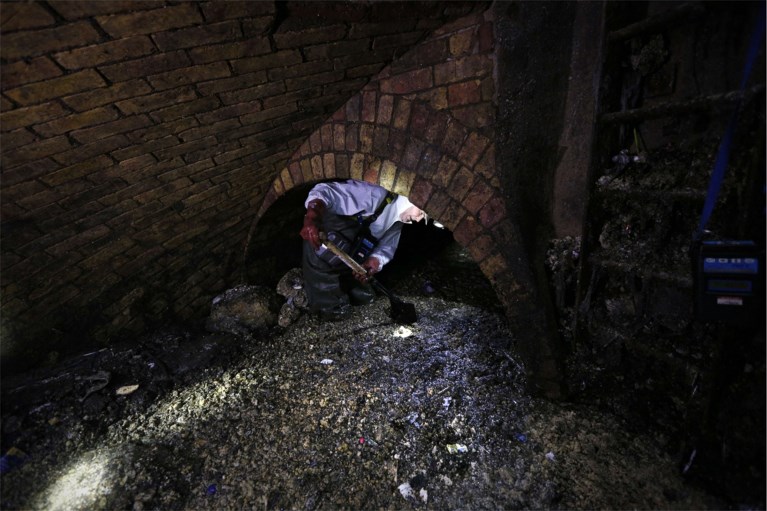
x=126 y=389
x=456 y=448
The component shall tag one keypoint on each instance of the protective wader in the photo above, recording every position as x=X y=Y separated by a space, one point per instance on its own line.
x=329 y=287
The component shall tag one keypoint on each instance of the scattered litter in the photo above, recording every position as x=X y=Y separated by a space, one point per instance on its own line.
x=326 y=361
x=424 y=495
x=550 y=456
x=456 y=448
x=446 y=402
x=14 y=458
x=428 y=288
x=362 y=440
x=211 y=489
x=406 y=490
x=403 y=332
x=521 y=437
x=412 y=418
x=126 y=389
x=689 y=462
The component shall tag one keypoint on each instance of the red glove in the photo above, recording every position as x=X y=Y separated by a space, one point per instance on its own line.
x=372 y=265
x=312 y=220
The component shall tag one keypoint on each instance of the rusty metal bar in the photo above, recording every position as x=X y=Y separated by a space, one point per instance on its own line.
x=680 y=107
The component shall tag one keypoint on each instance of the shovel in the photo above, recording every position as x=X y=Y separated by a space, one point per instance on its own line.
x=401 y=312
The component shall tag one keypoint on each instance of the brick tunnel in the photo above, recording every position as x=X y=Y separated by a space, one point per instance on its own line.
x=145 y=144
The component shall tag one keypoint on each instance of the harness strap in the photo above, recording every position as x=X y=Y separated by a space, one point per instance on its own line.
x=366 y=221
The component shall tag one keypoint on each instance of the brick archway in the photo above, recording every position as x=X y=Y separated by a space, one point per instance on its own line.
x=427 y=131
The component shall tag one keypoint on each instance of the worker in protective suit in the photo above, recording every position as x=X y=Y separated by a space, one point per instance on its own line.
x=365 y=220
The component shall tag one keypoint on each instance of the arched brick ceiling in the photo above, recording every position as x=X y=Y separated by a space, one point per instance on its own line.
x=139 y=139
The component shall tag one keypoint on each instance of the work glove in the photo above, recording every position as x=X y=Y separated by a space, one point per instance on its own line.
x=372 y=265
x=312 y=221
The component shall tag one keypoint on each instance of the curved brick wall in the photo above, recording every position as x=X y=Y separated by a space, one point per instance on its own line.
x=425 y=127
x=139 y=140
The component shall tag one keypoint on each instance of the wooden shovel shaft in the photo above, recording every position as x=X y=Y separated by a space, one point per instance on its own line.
x=346 y=258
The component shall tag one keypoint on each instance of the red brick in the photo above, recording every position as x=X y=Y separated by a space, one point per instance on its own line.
x=38 y=150
x=380 y=140
x=229 y=84
x=492 y=212
x=85 y=136
x=371 y=171
x=107 y=95
x=254 y=93
x=150 y=22
x=403 y=40
x=112 y=51
x=187 y=109
x=401 y=114
x=228 y=112
x=24 y=15
x=339 y=49
x=353 y=108
x=90 y=150
x=76 y=121
x=31 y=115
x=454 y=137
x=272 y=60
x=437 y=203
x=385 y=109
x=326 y=136
x=436 y=127
x=56 y=87
x=478 y=116
x=295 y=172
x=307 y=36
x=314 y=80
x=329 y=165
x=461 y=43
x=420 y=191
x=405 y=83
x=467 y=231
x=237 y=50
x=419 y=119
x=87 y=8
x=27 y=71
x=429 y=162
x=352 y=137
x=480 y=247
x=472 y=149
x=412 y=154
x=368 y=106
x=396 y=145
x=316 y=162
x=140 y=68
x=306 y=170
x=219 y=11
x=77 y=171
x=458 y=70
x=339 y=137
x=18 y=138
x=478 y=197
x=366 y=138
x=198 y=36
x=26 y=172
x=445 y=171
x=187 y=75
x=461 y=183
x=464 y=93
x=271 y=113
x=153 y=102
x=32 y=43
